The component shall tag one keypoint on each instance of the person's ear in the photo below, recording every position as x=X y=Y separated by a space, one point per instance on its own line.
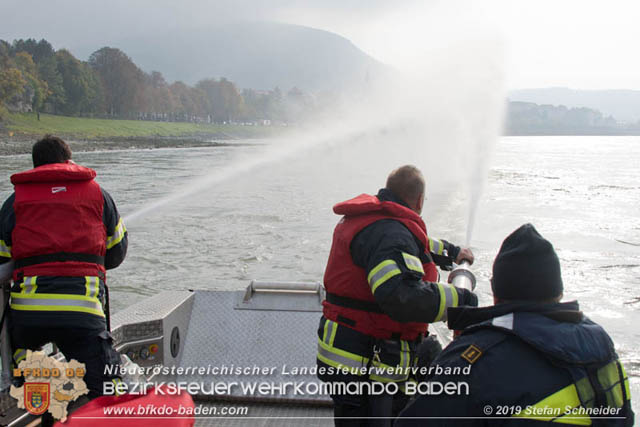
x=420 y=203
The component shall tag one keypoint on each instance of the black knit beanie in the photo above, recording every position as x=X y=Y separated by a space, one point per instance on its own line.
x=526 y=267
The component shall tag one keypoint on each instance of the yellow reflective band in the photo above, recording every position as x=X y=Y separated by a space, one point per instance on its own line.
x=118 y=235
x=405 y=355
x=626 y=388
x=19 y=355
x=549 y=408
x=330 y=362
x=407 y=352
x=56 y=302
x=443 y=300
x=610 y=380
x=352 y=356
x=413 y=262
x=558 y=407
x=436 y=246
x=334 y=330
x=341 y=359
x=586 y=395
x=54 y=296
x=116 y=382
x=615 y=387
x=330 y=329
x=325 y=335
x=626 y=382
x=448 y=298
x=355 y=364
x=92 y=285
x=381 y=273
x=5 y=250
x=28 y=285
x=30 y=307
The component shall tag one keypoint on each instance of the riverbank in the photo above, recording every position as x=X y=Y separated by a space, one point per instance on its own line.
x=19 y=131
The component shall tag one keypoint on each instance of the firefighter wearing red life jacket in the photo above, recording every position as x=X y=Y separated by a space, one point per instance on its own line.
x=63 y=232
x=382 y=291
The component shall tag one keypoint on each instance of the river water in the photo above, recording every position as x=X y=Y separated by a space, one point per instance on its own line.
x=274 y=220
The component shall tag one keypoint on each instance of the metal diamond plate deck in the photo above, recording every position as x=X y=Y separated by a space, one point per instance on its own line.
x=221 y=336
x=154 y=308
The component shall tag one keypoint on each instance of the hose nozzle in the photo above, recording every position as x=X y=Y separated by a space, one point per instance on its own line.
x=462 y=277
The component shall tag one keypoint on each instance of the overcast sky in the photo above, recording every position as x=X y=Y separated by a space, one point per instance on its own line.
x=574 y=43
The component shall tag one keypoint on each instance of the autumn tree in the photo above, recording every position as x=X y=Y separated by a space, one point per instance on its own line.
x=35 y=91
x=121 y=78
x=83 y=88
x=156 y=94
x=223 y=101
x=11 y=83
x=187 y=101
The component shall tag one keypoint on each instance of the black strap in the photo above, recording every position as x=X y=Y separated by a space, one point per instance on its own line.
x=598 y=390
x=4 y=312
x=355 y=304
x=58 y=257
x=622 y=383
x=107 y=307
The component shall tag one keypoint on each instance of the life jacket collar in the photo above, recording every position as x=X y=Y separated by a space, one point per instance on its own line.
x=367 y=204
x=54 y=172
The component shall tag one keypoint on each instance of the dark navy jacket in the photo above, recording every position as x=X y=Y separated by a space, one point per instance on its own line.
x=401 y=297
x=520 y=354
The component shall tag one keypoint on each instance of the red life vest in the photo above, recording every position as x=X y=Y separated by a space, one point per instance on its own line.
x=344 y=278
x=59 y=229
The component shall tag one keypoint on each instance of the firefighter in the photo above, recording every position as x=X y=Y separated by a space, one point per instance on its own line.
x=382 y=290
x=529 y=359
x=63 y=232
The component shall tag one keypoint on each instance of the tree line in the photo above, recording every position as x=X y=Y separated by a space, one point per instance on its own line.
x=35 y=77
x=527 y=118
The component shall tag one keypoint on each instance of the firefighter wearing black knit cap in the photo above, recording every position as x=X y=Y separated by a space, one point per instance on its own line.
x=529 y=359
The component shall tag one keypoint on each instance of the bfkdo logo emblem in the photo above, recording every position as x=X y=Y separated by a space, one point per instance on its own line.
x=36 y=397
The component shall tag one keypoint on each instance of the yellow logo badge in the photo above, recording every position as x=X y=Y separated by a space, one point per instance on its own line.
x=471 y=354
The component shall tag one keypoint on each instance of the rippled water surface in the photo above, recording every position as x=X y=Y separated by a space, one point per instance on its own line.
x=275 y=221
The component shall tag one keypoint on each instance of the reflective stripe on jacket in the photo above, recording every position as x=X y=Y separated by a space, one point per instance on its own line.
x=349 y=353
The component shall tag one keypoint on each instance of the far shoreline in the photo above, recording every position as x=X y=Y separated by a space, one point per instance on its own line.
x=20 y=131
x=20 y=146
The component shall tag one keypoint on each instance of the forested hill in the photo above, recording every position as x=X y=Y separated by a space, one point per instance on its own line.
x=257 y=55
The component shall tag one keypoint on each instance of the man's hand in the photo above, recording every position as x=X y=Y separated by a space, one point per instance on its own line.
x=465 y=254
